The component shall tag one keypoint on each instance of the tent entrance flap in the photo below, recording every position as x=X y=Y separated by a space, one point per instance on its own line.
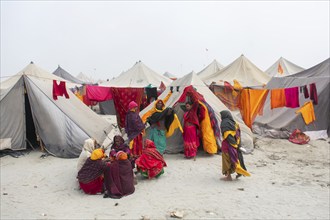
x=31 y=137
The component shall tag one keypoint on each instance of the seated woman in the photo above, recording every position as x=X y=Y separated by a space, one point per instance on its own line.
x=118 y=177
x=119 y=145
x=151 y=163
x=89 y=145
x=90 y=176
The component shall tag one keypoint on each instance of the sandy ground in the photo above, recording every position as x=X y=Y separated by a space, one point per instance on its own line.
x=288 y=181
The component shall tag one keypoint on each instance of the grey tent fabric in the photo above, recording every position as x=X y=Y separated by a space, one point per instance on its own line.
x=280 y=122
x=65 y=75
x=63 y=124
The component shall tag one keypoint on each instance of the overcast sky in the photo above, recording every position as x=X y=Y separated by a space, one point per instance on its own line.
x=102 y=39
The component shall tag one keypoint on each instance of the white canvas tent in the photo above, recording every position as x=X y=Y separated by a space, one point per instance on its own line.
x=138 y=76
x=28 y=108
x=175 y=142
x=282 y=67
x=280 y=122
x=242 y=70
x=60 y=72
x=210 y=69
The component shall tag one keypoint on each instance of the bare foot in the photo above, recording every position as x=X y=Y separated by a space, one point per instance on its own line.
x=227 y=178
x=194 y=158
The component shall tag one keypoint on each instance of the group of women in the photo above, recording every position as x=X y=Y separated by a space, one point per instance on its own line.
x=113 y=174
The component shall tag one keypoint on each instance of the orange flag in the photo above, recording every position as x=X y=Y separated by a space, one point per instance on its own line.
x=280 y=69
x=162 y=86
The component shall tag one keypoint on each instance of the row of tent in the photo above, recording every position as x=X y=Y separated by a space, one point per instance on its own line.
x=27 y=107
x=241 y=68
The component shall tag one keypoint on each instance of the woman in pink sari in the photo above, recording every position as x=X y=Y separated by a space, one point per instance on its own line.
x=191 y=130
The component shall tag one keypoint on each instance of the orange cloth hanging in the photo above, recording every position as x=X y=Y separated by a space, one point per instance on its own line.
x=252 y=104
x=277 y=98
x=307 y=112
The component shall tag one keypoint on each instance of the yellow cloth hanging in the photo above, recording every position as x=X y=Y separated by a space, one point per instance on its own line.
x=307 y=112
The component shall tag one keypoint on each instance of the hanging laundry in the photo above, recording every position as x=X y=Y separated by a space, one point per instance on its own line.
x=313 y=93
x=59 y=90
x=292 y=97
x=151 y=94
x=251 y=104
x=98 y=93
x=277 y=98
x=307 y=112
x=306 y=94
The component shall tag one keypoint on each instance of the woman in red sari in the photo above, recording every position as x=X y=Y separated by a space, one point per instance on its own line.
x=151 y=163
x=90 y=176
x=191 y=130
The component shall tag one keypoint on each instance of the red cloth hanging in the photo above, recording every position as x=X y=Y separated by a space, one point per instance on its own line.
x=122 y=97
x=98 y=93
x=313 y=93
x=292 y=97
x=59 y=90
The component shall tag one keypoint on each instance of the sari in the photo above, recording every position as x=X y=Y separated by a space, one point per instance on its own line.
x=134 y=128
x=190 y=132
x=163 y=122
x=151 y=163
x=232 y=158
x=119 y=179
x=90 y=176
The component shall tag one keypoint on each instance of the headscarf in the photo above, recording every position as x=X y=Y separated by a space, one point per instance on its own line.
x=151 y=161
x=121 y=147
x=121 y=155
x=132 y=105
x=191 y=116
x=150 y=149
x=86 y=152
x=89 y=145
x=133 y=125
x=98 y=154
x=229 y=127
x=227 y=121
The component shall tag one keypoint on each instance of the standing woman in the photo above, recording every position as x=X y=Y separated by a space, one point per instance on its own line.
x=231 y=136
x=134 y=128
x=191 y=130
x=163 y=121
